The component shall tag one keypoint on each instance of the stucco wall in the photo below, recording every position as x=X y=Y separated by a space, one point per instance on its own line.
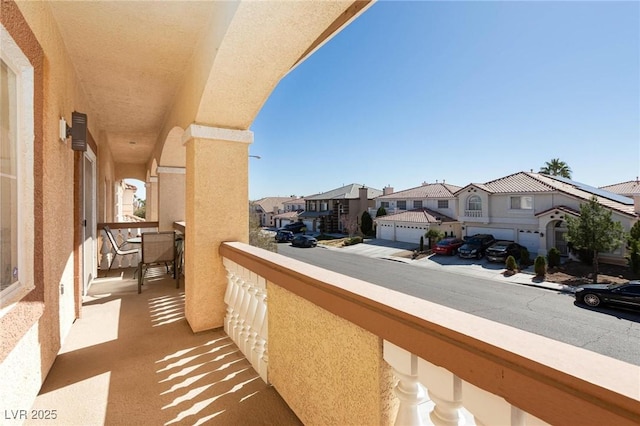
x=171 y=200
x=328 y=370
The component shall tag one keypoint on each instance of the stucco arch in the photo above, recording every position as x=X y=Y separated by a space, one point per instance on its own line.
x=173 y=152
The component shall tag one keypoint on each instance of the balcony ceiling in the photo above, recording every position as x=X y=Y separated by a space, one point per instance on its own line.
x=129 y=59
x=145 y=67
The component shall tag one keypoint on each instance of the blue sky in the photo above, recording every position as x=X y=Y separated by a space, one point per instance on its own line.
x=461 y=91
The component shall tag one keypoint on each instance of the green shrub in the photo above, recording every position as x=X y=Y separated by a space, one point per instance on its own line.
x=525 y=258
x=366 y=223
x=352 y=241
x=553 y=257
x=325 y=237
x=540 y=266
x=511 y=264
x=421 y=243
x=634 y=256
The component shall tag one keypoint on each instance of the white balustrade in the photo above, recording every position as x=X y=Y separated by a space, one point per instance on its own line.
x=454 y=401
x=246 y=316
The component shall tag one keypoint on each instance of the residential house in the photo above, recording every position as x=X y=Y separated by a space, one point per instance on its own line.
x=125 y=197
x=412 y=212
x=339 y=209
x=169 y=94
x=531 y=208
x=269 y=207
x=292 y=210
x=629 y=189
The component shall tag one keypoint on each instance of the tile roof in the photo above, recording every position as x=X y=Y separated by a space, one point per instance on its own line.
x=345 y=192
x=295 y=201
x=629 y=188
x=268 y=203
x=430 y=190
x=531 y=183
x=287 y=215
x=416 y=216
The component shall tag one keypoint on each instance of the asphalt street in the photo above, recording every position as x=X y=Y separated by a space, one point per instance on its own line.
x=550 y=313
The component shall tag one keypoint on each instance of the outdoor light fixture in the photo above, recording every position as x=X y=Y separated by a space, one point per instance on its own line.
x=78 y=131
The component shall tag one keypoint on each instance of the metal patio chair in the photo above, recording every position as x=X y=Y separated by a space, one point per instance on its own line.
x=117 y=248
x=158 y=248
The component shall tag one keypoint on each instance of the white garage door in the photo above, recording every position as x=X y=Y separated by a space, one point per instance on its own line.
x=309 y=225
x=385 y=231
x=409 y=233
x=498 y=233
x=531 y=241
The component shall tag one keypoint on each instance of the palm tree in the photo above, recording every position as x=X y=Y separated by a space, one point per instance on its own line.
x=555 y=167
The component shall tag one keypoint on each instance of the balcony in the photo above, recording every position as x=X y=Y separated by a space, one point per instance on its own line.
x=335 y=350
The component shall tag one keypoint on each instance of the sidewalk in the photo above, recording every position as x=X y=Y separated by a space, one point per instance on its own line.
x=401 y=252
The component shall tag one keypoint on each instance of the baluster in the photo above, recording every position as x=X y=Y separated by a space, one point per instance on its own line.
x=258 y=320
x=238 y=306
x=229 y=294
x=489 y=409
x=262 y=347
x=445 y=390
x=244 y=306
x=105 y=251
x=408 y=389
x=249 y=317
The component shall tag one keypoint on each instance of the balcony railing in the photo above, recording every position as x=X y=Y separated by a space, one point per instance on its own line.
x=343 y=351
x=473 y=213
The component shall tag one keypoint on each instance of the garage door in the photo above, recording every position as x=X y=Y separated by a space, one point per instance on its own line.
x=498 y=233
x=385 y=231
x=309 y=224
x=531 y=241
x=409 y=233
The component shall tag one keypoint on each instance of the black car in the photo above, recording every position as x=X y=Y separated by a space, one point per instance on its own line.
x=304 y=241
x=295 y=227
x=500 y=250
x=283 y=236
x=476 y=246
x=626 y=294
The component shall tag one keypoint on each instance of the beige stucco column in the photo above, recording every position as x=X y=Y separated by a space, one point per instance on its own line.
x=171 y=202
x=217 y=210
x=151 y=202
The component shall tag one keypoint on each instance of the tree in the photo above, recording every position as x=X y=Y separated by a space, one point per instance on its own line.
x=540 y=266
x=139 y=207
x=633 y=245
x=259 y=238
x=594 y=230
x=366 y=223
x=434 y=235
x=555 y=167
x=381 y=212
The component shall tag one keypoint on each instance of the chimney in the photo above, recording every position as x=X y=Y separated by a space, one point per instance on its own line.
x=387 y=190
x=424 y=183
x=362 y=192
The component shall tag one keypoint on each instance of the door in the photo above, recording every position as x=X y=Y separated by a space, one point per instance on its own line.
x=89 y=241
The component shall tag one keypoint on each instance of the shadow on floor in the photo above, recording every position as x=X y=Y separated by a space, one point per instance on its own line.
x=132 y=359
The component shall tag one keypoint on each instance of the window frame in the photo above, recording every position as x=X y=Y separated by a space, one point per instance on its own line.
x=520 y=198
x=19 y=64
x=471 y=199
x=443 y=204
x=417 y=204
x=403 y=203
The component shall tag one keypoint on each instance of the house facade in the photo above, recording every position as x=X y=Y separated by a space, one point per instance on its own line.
x=292 y=210
x=268 y=208
x=531 y=208
x=412 y=212
x=339 y=209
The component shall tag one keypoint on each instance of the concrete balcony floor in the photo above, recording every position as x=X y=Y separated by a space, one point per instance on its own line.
x=133 y=360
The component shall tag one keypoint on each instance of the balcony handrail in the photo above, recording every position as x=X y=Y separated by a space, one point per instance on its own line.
x=125 y=225
x=523 y=368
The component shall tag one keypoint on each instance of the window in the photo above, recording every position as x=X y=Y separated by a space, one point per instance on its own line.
x=474 y=203
x=402 y=205
x=312 y=207
x=384 y=204
x=417 y=204
x=324 y=207
x=443 y=204
x=521 y=203
x=16 y=171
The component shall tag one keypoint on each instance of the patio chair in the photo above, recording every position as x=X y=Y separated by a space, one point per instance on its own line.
x=158 y=248
x=117 y=248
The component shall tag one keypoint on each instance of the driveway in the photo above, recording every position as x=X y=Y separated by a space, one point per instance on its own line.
x=401 y=252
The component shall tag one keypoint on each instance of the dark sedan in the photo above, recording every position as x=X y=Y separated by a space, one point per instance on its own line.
x=499 y=251
x=283 y=236
x=627 y=294
x=304 y=241
x=448 y=246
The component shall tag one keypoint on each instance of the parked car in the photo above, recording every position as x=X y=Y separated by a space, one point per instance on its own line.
x=500 y=250
x=295 y=227
x=283 y=236
x=448 y=246
x=626 y=294
x=304 y=241
x=476 y=246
